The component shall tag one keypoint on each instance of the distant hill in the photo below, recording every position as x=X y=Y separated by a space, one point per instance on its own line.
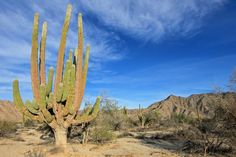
x=8 y=112
x=197 y=103
x=201 y=103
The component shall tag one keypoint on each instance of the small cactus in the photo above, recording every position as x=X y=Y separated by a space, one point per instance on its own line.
x=58 y=106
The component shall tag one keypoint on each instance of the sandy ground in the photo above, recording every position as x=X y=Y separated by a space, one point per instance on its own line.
x=27 y=143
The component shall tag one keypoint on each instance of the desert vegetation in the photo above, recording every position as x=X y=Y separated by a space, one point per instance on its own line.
x=52 y=124
x=116 y=126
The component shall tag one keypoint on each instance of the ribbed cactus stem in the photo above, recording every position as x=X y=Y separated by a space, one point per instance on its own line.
x=42 y=54
x=61 y=52
x=50 y=101
x=30 y=108
x=42 y=101
x=59 y=92
x=84 y=75
x=86 y=118
x=75 y=56
x=88 y=110
x=66 y=80
x=34 y=58
x=71 y=56
x=35 y=105
x=79 y=64
x=72 y=76
x=17 y=97
x=19 y=103
x=50 y=80
x=85 y=68
x=69 y=108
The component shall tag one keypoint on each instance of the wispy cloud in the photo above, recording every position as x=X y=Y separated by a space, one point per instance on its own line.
x=152 y=20
x=105 y=22
x=15 y=46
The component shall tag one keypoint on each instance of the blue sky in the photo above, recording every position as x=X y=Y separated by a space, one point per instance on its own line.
x=141 y=51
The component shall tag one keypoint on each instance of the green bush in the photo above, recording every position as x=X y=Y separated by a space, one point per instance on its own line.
x=112 y=116
x=148 y=119
x=7 y=128
x=182 y=118
x=102 y=135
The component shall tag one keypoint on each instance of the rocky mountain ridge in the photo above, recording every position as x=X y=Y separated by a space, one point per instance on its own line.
x=194 y=105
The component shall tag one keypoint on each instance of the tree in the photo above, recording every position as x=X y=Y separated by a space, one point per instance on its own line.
x=58 y=106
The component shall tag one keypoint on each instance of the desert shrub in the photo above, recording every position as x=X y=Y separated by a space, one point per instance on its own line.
x=148 y=119
x=212 y=135
x=102 y=135
x=182 y=118
x=7 y=127
x=112 y=116
x=29 y=123
x=35 y=153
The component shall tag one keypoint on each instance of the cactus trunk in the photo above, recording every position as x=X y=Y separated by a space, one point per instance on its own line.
x=60 y=134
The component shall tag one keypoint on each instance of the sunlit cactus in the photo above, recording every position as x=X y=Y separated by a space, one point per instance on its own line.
x=58 y=106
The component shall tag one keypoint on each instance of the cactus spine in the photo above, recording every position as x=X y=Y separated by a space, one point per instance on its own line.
x=58 y=107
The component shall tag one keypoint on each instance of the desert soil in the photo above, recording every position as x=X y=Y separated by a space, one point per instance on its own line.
x=26 y=142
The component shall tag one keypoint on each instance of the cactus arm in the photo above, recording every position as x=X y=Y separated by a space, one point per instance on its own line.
x=42 y=54
x=69 y=108
x=72 y=76
x=35 y=105
x=75 y=56
x=19 y=103
x=61 y=52
x=46 y=114
x=84 y=77
x=33 y=117
x=78 y=83
x=30 y=107
x=71 y=56
x=85 y=68
x=50 y=101
x=50 y=81
x=34 y=58
x=88 y=110
x=84 y=118
x=42 y=101
x=66 y=80
x=59 y=92
x=17 y=97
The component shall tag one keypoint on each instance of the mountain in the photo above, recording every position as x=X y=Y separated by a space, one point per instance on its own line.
x=197 y=104
x=203 y=104
x=8 y=112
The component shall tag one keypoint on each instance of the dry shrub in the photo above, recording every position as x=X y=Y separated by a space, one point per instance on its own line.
x=182 y=118
x=102 y=135
x=148 y=119
x=214 y=135
x=112 y=116
x=29 y=123
x=7 y=128
x=36 y=152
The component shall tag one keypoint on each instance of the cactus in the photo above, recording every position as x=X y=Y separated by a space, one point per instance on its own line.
x=141 y=117
x=58 y=106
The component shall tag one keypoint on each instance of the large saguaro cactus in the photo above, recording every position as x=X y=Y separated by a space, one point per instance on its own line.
x=57 y=107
